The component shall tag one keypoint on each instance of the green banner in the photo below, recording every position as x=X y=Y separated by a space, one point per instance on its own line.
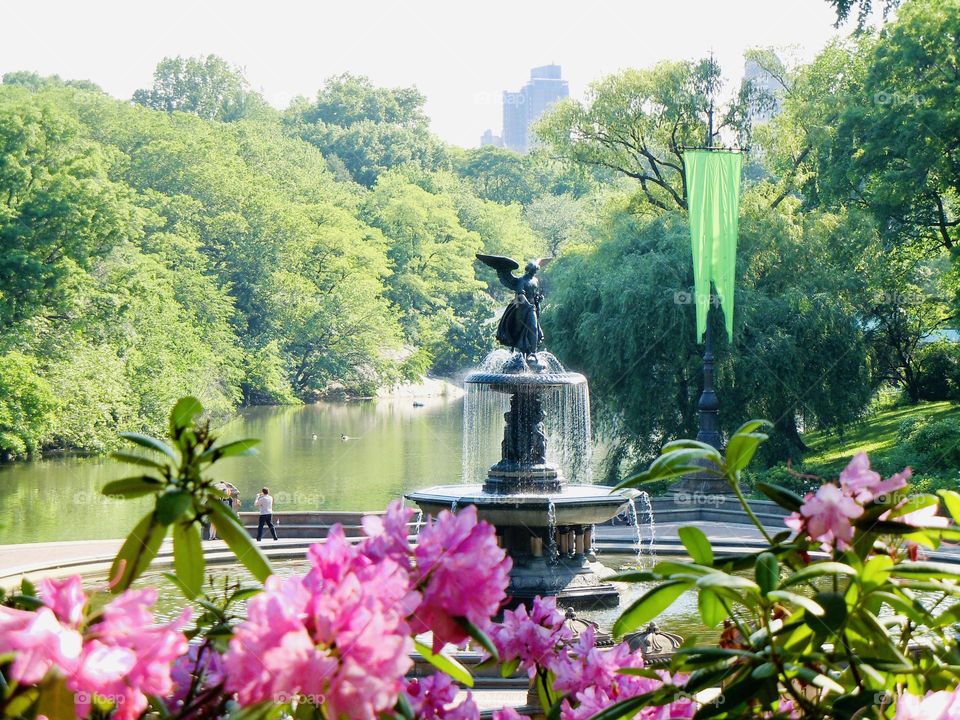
x=713 y=200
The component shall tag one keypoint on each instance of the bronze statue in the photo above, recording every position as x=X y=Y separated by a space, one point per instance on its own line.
x=519 y=327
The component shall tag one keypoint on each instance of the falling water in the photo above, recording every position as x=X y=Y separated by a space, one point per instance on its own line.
x=551 y=531
x=566 y=425
x=453 y=505
x=635 y=521
x=593 y=540
x=646 y=518
x=418 y=523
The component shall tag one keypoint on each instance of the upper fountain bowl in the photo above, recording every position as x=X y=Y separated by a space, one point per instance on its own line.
x=513 y=370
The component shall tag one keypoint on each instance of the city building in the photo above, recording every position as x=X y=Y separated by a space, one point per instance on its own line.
x=523 y=108
x=488 y=139
x=766 y=83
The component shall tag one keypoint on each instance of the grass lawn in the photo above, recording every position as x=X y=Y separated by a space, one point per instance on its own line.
x=875 y=435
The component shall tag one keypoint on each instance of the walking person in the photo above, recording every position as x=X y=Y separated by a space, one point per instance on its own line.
x=264 y=503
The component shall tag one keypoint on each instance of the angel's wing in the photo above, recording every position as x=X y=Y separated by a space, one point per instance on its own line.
x=542 y=262
x=498 y=262
x=504 y=267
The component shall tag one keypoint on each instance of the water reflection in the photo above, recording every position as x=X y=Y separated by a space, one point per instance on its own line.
x=392 y=447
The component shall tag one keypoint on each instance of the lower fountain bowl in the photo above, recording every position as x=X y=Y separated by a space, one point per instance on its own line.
x=572 y=505
x=547 y=535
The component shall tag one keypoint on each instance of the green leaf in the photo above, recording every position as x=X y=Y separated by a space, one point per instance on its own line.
x=445 y=663
x=151 y=443
x=729 y=582
x=137 y=552
x=741 y=449
x=634 y=576
x=56 y=700
x=834 y=613
x=479 y=635
x=183 y=413
x=712 y=611
x=239 y=540
x=136 y=486
x=244 y=594
x=647 y=607
x=817 y=570
x=767 y=572
x=137 y=460
x=925 y=569
x=509 y=668
x=231 y=449
x=696 y=544
x=171 y=506
x=796 y=599
x=678 y=463
x=188 y=558
x=783 y=497
x=951 y=499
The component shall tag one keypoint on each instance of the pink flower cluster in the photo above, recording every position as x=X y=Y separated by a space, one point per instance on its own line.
x=341 y=635
x=942 y=705
x=588 y=676
x=534 y=637
x=828 y=514
x=462 y=572
x=432 y=698
x=121 y=656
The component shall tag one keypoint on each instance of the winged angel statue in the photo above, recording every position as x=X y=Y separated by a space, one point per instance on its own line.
x=519 y=327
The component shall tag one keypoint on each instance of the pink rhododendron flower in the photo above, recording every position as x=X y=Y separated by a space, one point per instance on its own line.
x=65 y=597
x=587 y=665
x=339 y=635
x=462 y=572
x=388 y=536
x=508 y=713
x=826 y=516
x=866 y=485
x=39 y=643
x=432 y=697
x=532 y=638
x=943 y=705
x=594 y=698
x=128 y=656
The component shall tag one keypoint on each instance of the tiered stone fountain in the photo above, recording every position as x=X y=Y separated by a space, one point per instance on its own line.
x=543 y=521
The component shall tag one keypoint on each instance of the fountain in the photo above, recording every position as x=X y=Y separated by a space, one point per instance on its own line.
x=543 y=521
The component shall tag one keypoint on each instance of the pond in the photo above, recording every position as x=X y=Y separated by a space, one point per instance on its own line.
x=392 y=446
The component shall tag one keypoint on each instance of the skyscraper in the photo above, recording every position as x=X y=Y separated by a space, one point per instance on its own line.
x=522 y=109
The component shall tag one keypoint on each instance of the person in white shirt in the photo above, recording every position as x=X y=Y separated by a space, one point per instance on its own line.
x=264 y=503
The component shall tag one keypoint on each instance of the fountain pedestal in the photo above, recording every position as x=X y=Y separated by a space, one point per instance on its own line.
x=544 y=523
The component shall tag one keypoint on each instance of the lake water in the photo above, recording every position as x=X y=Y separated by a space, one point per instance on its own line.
x=392 y=447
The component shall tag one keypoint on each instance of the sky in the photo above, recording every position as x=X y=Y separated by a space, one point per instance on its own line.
x=460 y=55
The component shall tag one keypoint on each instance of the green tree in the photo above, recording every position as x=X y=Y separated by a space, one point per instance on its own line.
x=59 y=208
x=26 y=406
x=635 y=123
x=500 y=175
x=620 y=307
x=368 y=129
x=205 y=86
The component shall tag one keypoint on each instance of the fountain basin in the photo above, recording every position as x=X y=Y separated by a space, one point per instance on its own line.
x=572 y=504
x=548 y=536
